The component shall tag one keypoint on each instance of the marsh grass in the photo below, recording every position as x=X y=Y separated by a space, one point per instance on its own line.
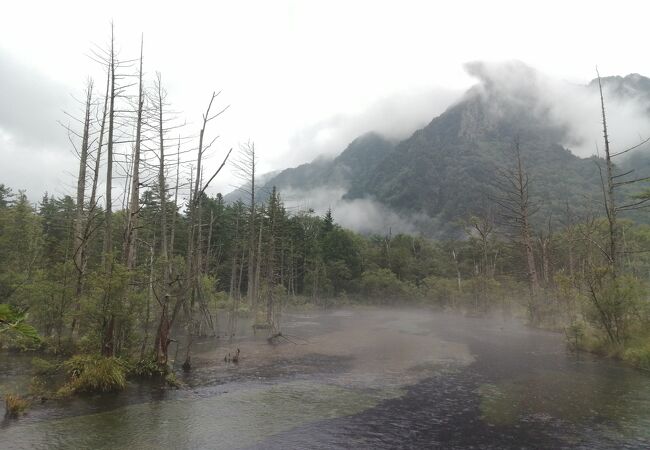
x=91 y=374
x=15 y=405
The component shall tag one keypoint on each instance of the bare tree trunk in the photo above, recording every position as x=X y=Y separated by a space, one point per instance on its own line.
x=209 y=244
x=191 y=277
x=108 y=338
x=108 y=248
x=143 y=349
x=610 y=202
x=173 y=230
x=79 y=235
x=241 y=272
x=458 y=277
x=164 y=325
x=515 y=202
x=98 y=156
x=246 y=170
x=232 y=319
x=258 y=264
x=133 y=210
x=92 y=204
x=522 y=187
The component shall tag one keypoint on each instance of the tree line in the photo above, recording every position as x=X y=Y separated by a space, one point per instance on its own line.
x=127 y=275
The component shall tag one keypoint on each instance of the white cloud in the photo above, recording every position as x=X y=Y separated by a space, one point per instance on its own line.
x=576 y=108
x=394 y=116
x=362 y=215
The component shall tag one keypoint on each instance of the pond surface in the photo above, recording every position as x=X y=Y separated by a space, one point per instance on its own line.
x=365 y=378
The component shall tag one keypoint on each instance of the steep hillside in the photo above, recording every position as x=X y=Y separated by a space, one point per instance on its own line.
x=446 y=171
x=345 y=172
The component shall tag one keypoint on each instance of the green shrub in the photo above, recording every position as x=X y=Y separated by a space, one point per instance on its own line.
x=612 y=302
x=639 y=356
x=172 y=381
x=43 y=367
x=243 y=309
x=64 y=346
x=383 y=284
x=148 y=368
x=440 y=291
x=222 y=301
x=575 y=333
x=38 y=388
x=88 y=374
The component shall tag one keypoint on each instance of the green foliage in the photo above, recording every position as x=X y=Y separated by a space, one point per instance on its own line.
x=39 y=386
x=341 y=257
x=172 y=380
x=639 y=355
x=440 y=291
x=383 y=285
x=43 y=367
x=304 y=259
x=148 y=368
x=613 y=303
x=13 y=320
x=92 y=374
x=575 y=333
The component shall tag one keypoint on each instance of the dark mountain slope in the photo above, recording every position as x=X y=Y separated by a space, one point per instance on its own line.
x=446 y=171
x=353 y=166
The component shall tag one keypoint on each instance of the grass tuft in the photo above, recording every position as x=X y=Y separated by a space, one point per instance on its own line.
x=15 y=405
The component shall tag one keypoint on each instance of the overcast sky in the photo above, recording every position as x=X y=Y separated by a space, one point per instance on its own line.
x=302 y=78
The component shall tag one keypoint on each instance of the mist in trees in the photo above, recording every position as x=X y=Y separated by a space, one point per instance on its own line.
x=142 y=257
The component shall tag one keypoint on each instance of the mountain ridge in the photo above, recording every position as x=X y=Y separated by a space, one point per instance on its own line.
x=445 y=171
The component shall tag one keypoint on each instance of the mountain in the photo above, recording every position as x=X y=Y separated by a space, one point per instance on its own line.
x=446 y=171
x=354 y=165
x=632 y=86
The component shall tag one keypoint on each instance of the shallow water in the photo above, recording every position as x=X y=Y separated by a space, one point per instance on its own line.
x=365 y=378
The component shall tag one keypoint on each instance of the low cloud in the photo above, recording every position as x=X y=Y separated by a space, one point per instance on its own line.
x=34 y=148
x=32 y=104
x=35 y=168
x=362 y=215
x=572 y=107
x=395 y=116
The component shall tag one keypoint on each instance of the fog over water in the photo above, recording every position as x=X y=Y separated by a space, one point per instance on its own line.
x=374 y=378
x=430 y=257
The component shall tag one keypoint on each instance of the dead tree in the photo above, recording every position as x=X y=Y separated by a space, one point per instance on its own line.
x=79 y=241
x=172 y=233
x=234 y=293
x=191 y=277
x=611 y=182
x=516 y=209
x=603 y=285
x=108 y=207
x=482 y=227
x=108 y=321
x=162 y=339
x=91 y=217
x=195 y=267
x=245 y=168
x=133 y=210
